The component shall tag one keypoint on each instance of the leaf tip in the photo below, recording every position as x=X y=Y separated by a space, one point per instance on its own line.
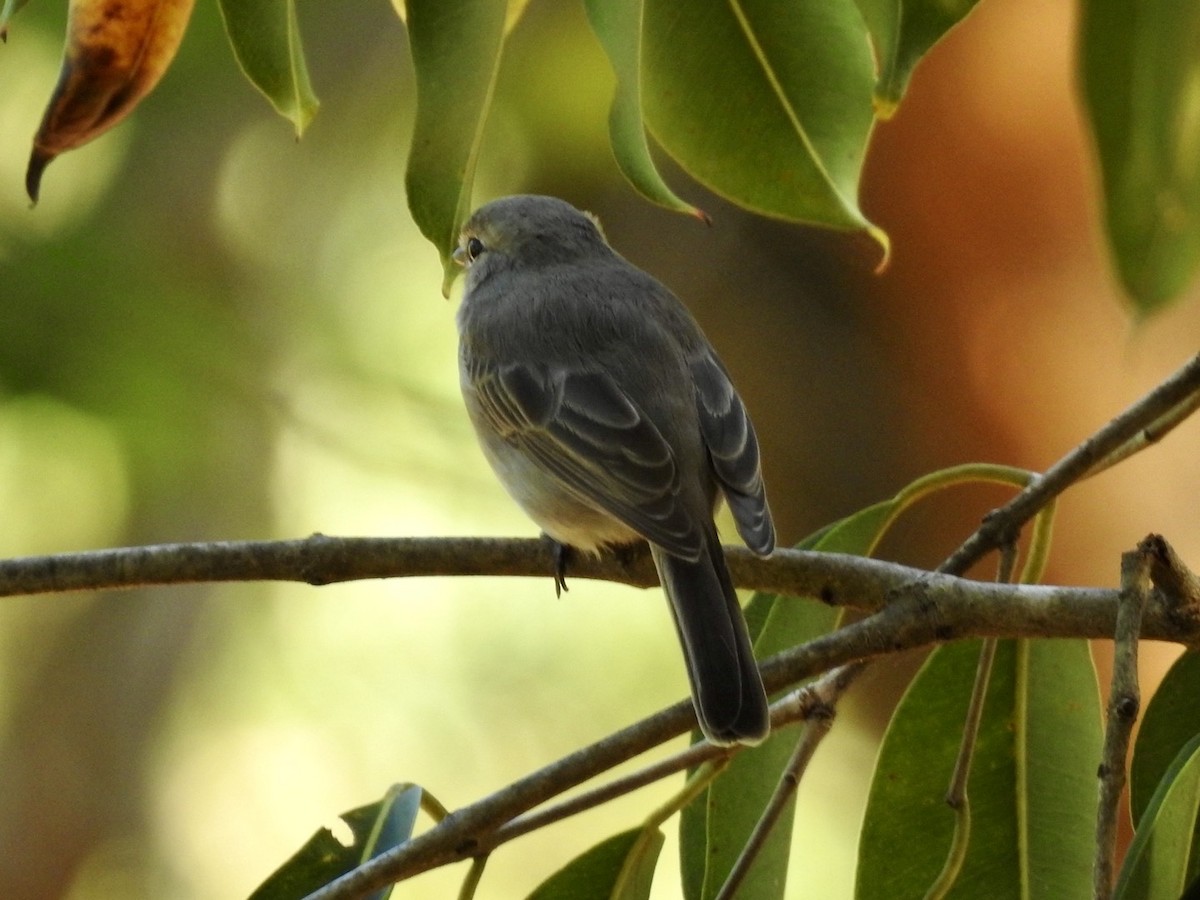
x=303 y=116
x=885 y=105
x=450 y=270
x=881 y=238
x=38 y=160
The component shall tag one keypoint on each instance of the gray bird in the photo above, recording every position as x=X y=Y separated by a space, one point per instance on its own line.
x=607 y=416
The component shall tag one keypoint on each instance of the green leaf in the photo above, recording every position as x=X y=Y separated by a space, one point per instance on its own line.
x=7 y=11
x=713 y=830
x=767 y=104
x=1140 y=73
x=456 y=54
x=376 y=827
x=1172 y=719
x=903 y=31
x=620 y=868
x=516 y=9
x=1162 y=860
x=1032 y=785
x=618 y=25
x=266 y=42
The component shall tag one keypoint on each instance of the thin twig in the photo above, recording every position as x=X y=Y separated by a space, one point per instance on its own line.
x=889 y=629
x=956 y=794
x=1151 y=434
x=1124 y=701
x=821 y=698
x=783 y=712
x=1001 y=526
x=957 y=797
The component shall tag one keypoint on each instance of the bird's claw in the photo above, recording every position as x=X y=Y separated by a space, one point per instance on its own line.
x=561 y=554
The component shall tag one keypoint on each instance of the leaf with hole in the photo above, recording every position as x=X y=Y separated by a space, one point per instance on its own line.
x=375 y=827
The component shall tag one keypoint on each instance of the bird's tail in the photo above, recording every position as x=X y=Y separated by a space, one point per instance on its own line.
x=727 y=690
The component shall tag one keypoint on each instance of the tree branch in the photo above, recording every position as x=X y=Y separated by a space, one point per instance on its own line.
x=907 y=608
x=1141 y=424
x=961 y=606
x=934 y=608
x=1124 y=702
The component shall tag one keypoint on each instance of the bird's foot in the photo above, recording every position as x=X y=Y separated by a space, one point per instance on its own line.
x=562 y=554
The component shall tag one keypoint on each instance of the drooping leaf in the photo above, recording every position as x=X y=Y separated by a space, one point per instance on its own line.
x=1172 y=719
x=7 y=11
x=619 y=868
x=1139 y=69
x=375 y=827
x=1164 y=857
x=618 y=25
x=456 y=54
x=1032 y=785
x=114 y=56
x=767 y=104
x=902 y=32
x=516 y=8
x=265 y=36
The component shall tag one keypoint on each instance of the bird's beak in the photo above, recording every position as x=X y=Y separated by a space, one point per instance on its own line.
x=459 y=256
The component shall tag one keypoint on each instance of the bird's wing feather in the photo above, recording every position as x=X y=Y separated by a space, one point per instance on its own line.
x=733 y=451
x=586 y=432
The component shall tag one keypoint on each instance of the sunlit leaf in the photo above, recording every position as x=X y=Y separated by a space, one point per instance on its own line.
x=516 y=8
x=1162 y=860
x=265 y=35
x=375 y=828
x=767 y=104
x=620 y=868
x=110 y=62
x=1032 y=787
x=1141 y=81
x=903 y=31
x=618 y=25
x=1172 y=719
x=456 y=54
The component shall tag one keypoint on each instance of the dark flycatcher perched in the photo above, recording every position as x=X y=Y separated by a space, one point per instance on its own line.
x=607 y=415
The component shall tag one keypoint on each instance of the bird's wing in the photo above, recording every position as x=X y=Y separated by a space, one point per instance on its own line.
x=587 y=433
x=733 y=450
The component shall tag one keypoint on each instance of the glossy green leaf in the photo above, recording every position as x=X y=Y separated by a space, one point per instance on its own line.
x=620 y=868
x=618 y=25
x=1140 y=72
x=455 y=48
x=767 y=104
x=713 y=830
x=375 y=828
x=265 y=35
x=1162 y=860
x=1171 y=720
x=903 y=31
x=1032 y=787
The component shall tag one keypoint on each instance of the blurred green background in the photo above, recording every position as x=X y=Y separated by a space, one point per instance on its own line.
x=210 y=331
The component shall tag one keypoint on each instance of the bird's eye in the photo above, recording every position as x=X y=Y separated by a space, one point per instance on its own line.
x=475 y=249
